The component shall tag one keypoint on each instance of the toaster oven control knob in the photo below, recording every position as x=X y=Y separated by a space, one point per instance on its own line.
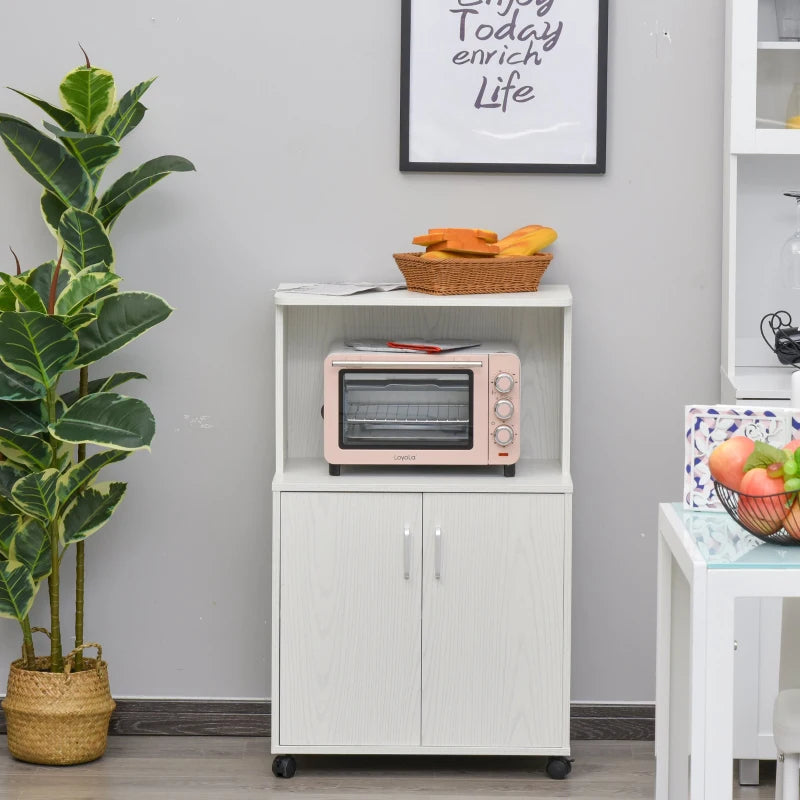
x=503 y=435
x=504 y=409
x=504 y=382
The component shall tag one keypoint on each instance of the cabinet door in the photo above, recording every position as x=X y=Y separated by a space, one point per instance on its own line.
x=494 y=627
x=350 y=618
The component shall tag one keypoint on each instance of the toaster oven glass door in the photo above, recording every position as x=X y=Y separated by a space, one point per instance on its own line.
x=406 y=409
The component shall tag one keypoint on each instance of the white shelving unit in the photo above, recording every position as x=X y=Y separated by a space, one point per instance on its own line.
x=380 y=646
x=761 y=162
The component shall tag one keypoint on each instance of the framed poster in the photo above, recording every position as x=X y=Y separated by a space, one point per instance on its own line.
x=503 y=86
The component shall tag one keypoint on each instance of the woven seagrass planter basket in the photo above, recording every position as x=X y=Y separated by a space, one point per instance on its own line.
x=58 y=718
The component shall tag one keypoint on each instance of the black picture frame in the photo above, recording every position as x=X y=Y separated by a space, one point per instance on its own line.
x=447 y=47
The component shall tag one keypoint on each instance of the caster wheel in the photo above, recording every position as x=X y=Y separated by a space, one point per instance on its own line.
x=283 y=767
x=559 y=767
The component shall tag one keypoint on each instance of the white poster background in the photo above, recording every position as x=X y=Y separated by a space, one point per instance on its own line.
x=557 y=126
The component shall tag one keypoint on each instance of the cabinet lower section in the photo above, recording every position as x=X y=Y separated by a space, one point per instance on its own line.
x=421 y=623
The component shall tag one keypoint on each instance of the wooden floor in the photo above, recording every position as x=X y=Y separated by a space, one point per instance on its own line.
x=230 y=768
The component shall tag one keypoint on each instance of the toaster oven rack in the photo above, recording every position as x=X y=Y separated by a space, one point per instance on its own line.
x=418 y=413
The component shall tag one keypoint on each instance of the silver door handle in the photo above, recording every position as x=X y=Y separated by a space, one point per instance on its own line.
x=391 y=365
x=407 y=553
x=437 y=554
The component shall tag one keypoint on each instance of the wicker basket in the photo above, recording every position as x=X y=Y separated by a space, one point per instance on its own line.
x=58 y=718
x=473 y=275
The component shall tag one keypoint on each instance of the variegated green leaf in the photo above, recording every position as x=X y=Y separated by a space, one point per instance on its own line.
x=17 y=590
x=78 y=321
x=38 y=346
x=52 y=209
x=121 y=318
x=28 y=451
x=25 y=295
x=104 y=385
x=65 y=455
x=133 y=183
x=128 y=113
x=85 y=240
x=26 y=418
x=41 y=278
x=89 y=94
x=80 y=474
x=35 y=494
x=9 y=475
x=14 y=386
x=8 y=302
x=63 y=118
x=103 y=293
x=7 y=507
x=81 y=288
x=107 y=419
x=94 y=151
x=89 y=511
x=47 y=161
x=31 y=548
x=8 y=527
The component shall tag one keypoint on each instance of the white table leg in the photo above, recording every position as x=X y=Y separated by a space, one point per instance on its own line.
x=791 y=776
x=663 y=677
x=749 y=772
x=673 y=688
x=719 y=689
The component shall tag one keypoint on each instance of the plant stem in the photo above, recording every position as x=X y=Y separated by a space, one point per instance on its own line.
x=56 y=655
x=83 y=390
x=28 y=654
x=79 y=577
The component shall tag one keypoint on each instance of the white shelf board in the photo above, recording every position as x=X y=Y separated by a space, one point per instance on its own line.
x=762 y=383
x=773 y=45
x=548 y=296
x=311 y=475
x=772 y=141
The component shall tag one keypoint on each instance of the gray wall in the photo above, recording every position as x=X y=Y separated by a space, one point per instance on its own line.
x=290 y=111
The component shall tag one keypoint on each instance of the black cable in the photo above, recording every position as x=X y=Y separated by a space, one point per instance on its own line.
x=786 y=337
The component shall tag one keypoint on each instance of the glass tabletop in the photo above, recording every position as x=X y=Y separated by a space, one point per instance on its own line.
x=726 y=545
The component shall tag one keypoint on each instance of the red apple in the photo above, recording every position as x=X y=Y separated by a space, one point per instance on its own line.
x=727 y=459
x=792 y=521
x=762 y=504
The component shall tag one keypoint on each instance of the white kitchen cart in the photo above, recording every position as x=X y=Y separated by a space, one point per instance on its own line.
x=422 y=610
x=761 y=160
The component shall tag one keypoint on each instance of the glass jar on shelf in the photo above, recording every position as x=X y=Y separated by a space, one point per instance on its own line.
x=790 y=252
x=788 y=16
x=793 y=109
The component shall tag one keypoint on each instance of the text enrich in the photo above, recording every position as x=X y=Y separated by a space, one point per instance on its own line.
x=510 y=34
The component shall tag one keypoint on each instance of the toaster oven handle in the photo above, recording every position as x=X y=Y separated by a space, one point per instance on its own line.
x=395 y=364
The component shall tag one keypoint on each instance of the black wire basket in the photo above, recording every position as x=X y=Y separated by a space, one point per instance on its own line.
x=763 y=516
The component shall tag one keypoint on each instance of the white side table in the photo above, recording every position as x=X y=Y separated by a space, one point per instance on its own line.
x=705 y=561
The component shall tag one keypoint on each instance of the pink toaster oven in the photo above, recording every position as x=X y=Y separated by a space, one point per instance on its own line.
x=453 y=408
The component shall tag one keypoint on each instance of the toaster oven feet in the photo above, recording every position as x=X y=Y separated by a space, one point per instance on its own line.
x=509 y=470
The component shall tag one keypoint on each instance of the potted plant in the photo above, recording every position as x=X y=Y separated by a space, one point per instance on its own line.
x=57 y=320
